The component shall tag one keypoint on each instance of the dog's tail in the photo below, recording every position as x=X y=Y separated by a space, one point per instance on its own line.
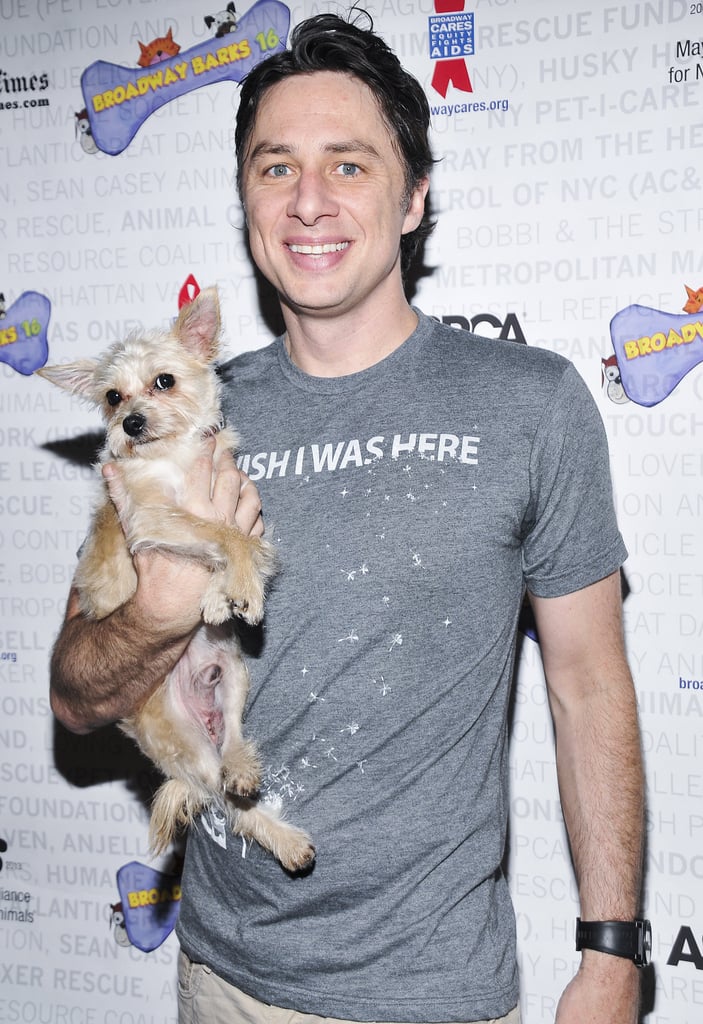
x=174 y=808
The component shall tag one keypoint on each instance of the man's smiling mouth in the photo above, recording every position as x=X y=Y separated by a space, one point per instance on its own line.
x=318 y=250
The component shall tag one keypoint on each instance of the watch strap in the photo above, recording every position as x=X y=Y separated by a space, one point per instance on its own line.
x=631 y=940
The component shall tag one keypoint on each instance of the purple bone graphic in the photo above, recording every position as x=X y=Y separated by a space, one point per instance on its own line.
x=119 y=99
x=150 y=904
x=23 y=344
x=655 y=350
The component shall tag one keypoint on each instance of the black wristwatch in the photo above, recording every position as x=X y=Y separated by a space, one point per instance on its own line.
x=629 y=939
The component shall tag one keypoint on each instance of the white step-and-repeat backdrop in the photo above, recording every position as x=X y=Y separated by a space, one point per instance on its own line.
x=568 y=191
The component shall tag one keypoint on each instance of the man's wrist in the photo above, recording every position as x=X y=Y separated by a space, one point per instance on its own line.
x=629 y=940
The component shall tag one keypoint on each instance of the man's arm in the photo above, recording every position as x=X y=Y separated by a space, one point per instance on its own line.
x=103 y=670
x=599 y=766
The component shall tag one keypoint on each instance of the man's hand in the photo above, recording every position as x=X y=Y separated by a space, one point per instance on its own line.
x=169 y=588
x=605 y=991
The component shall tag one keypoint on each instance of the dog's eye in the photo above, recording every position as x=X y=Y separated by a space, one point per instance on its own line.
x=164 y=381
x=113 y=397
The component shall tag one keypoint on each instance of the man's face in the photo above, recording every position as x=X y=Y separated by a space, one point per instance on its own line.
x=323 y=189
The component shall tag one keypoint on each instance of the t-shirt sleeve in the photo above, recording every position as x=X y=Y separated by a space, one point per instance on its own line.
x=571 y=535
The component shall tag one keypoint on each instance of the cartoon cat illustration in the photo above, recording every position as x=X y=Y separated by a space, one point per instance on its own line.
x=158 y=50
x=695 y=300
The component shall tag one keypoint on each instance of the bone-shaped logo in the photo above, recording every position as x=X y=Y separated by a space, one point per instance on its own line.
x=118 y=99
x=655 y=350
x=23 y=342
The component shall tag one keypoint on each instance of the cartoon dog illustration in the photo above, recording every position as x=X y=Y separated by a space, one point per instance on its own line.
x=84 y=132
x=610 y=373
x=222 y=22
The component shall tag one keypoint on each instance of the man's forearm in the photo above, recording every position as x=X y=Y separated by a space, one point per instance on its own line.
x=599 y=761
x=601 y=782
x=101 y=671
x=600 y=778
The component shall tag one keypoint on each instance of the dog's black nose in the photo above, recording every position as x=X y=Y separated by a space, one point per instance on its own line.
x=134 y=424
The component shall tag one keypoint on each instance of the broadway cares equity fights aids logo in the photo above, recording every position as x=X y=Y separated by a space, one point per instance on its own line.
x=119 y=99
x=655 y=350
x=451 y=41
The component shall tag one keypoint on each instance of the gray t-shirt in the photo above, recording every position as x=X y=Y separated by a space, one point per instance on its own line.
x=412 y=504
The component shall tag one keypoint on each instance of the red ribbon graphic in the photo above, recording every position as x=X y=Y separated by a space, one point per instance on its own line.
x=188 y=292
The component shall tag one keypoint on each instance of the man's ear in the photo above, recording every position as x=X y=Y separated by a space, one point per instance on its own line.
x=415 y=208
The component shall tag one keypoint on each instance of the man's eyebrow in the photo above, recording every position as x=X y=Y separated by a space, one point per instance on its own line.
x=352 y=146
x=269 y=149
x=347 y=146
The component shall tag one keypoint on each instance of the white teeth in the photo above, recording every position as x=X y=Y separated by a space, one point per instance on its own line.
x=318 y=250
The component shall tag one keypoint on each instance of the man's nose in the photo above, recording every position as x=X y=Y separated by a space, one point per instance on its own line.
x=312 y=197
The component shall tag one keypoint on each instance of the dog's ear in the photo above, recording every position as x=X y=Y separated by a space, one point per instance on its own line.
x=78 y=378
x=198 y=325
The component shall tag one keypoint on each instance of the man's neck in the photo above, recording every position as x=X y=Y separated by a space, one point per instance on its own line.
x=348 y=343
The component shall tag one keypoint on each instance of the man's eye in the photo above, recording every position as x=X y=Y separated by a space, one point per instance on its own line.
x=348 y=170
x=113 y=397
x=278 y=171
x=164 y=381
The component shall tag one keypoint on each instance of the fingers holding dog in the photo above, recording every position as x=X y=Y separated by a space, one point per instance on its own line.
x=249 y=517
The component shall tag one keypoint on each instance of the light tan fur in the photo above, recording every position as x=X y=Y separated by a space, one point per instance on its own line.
x=160 y=397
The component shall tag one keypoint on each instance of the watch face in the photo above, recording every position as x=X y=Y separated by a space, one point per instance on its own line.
x=644 y=945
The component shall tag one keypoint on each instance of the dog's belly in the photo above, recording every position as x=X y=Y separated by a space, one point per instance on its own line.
x=198 y=683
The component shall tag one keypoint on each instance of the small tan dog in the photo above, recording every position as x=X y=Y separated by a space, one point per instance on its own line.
x=159 y=395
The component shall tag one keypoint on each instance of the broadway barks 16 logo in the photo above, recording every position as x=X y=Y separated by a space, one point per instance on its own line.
x=119 y=99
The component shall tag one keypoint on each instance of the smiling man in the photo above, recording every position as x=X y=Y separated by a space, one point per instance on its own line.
x=324 y=192
x=380 y=685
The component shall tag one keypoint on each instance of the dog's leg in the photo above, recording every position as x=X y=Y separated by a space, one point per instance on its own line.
x=241 y=585
x=105 y=576
x=241 y=564
x=261 y=821
x=168 y=731
x=241 y=767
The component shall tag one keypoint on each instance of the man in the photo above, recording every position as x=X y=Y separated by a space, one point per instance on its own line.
x=418 y=481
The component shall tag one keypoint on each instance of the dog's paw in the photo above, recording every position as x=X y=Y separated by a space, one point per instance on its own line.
x=250 y=608
x=246 y=576
x=241 y=772
x=245 y=594
x=216 y=606
x=298 y=853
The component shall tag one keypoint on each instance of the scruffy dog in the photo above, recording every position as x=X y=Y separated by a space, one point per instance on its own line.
x=160 y=397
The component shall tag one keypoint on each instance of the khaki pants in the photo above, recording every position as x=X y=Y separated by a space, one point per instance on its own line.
x=205 y=998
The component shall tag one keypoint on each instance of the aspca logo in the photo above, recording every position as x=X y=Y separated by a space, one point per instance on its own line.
x=508 y=329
